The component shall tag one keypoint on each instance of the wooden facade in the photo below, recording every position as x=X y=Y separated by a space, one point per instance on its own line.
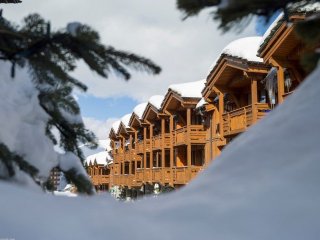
x=171 y=144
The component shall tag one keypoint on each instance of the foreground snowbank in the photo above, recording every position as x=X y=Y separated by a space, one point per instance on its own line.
x=263 y=186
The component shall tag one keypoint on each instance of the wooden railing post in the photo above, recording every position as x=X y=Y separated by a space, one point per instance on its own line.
x=188 y=143
x=254 y=100
x=171 y=150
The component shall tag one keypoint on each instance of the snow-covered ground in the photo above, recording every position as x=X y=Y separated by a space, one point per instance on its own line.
x=265 y=185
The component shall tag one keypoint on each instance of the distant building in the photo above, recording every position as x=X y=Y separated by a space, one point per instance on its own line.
x=55 y=177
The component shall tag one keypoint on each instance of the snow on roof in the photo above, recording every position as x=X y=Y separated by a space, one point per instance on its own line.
x=244 y=48
x=139 y=109
x=105 y=144
x=189 y=89
x=271 y=28
x=125 y=119
x=116 y=125
x=102 y=158
x=201 y=103
x=279 y=20
x=156 y=101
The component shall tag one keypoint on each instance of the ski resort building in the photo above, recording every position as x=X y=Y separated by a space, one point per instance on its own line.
x=165 y=142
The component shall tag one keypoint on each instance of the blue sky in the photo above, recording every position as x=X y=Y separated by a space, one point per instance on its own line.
x=104 y=108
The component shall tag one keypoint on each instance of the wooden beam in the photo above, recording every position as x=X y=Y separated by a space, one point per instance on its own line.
x=163 y=132
x=221 y=110
x=254 y=99
x=171 y=150
x=189 y=143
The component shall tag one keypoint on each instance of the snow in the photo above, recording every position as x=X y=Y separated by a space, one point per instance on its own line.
x=156 y=101
x=102 y=158
x=201 y=103
x=189 y=89
x=69 y=161
x=116 y=125
x=244 y=48
x=23 y=123
x=71 y=118
x=264 y=185
x=125 y=120
x=139 y=109
x=271 y=28
x=103 y=145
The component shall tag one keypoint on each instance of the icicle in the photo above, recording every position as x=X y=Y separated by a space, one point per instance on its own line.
x=272 y=84
x=287 y=80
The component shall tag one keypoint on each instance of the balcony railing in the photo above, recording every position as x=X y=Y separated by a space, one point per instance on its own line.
x=100 y=179
x=240 y=119
x=197 y=135
x=181 y=175
x=157 y=175
x=157 y=141
x=119 y=157
x=139 y=147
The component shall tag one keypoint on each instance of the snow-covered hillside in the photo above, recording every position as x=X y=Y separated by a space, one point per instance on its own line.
x=263 y=186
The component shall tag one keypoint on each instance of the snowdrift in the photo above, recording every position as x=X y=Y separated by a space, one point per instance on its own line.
x=263 y=186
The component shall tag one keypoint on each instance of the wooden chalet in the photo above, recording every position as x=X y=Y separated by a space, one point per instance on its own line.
x=169 y=140
x=99 y=167
x=187 y=134
x=234 y=95
x=282 y=49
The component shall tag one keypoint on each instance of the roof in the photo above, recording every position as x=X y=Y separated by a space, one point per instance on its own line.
x=156 y=101
x=273 y=28
x=139 y=109
x=115 y=126
x=189 y=89
x=102 y=158
x=125 y=119
x=243 y=48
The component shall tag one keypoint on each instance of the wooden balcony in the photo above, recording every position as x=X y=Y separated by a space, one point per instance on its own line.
x=129 y=155
x=197 y=135
x=100 y=179
x=157 y=141
x=139 y=147
x=116 y=180
x=239 y=120
x=119 y=157
x=127 y=180
x=157 y=175
x=139 y=176
x=147 y=175
x=181 y=174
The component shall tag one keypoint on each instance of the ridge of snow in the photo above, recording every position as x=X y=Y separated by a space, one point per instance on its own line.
x=201 y=103
x=23 y=123
x=103 y=158
x=116 y=125
x=156 y=101
x=125 y=119
x=245 y=48
x=189 y=89
x=264 y=185
x=139 y=109
x=270 y=28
